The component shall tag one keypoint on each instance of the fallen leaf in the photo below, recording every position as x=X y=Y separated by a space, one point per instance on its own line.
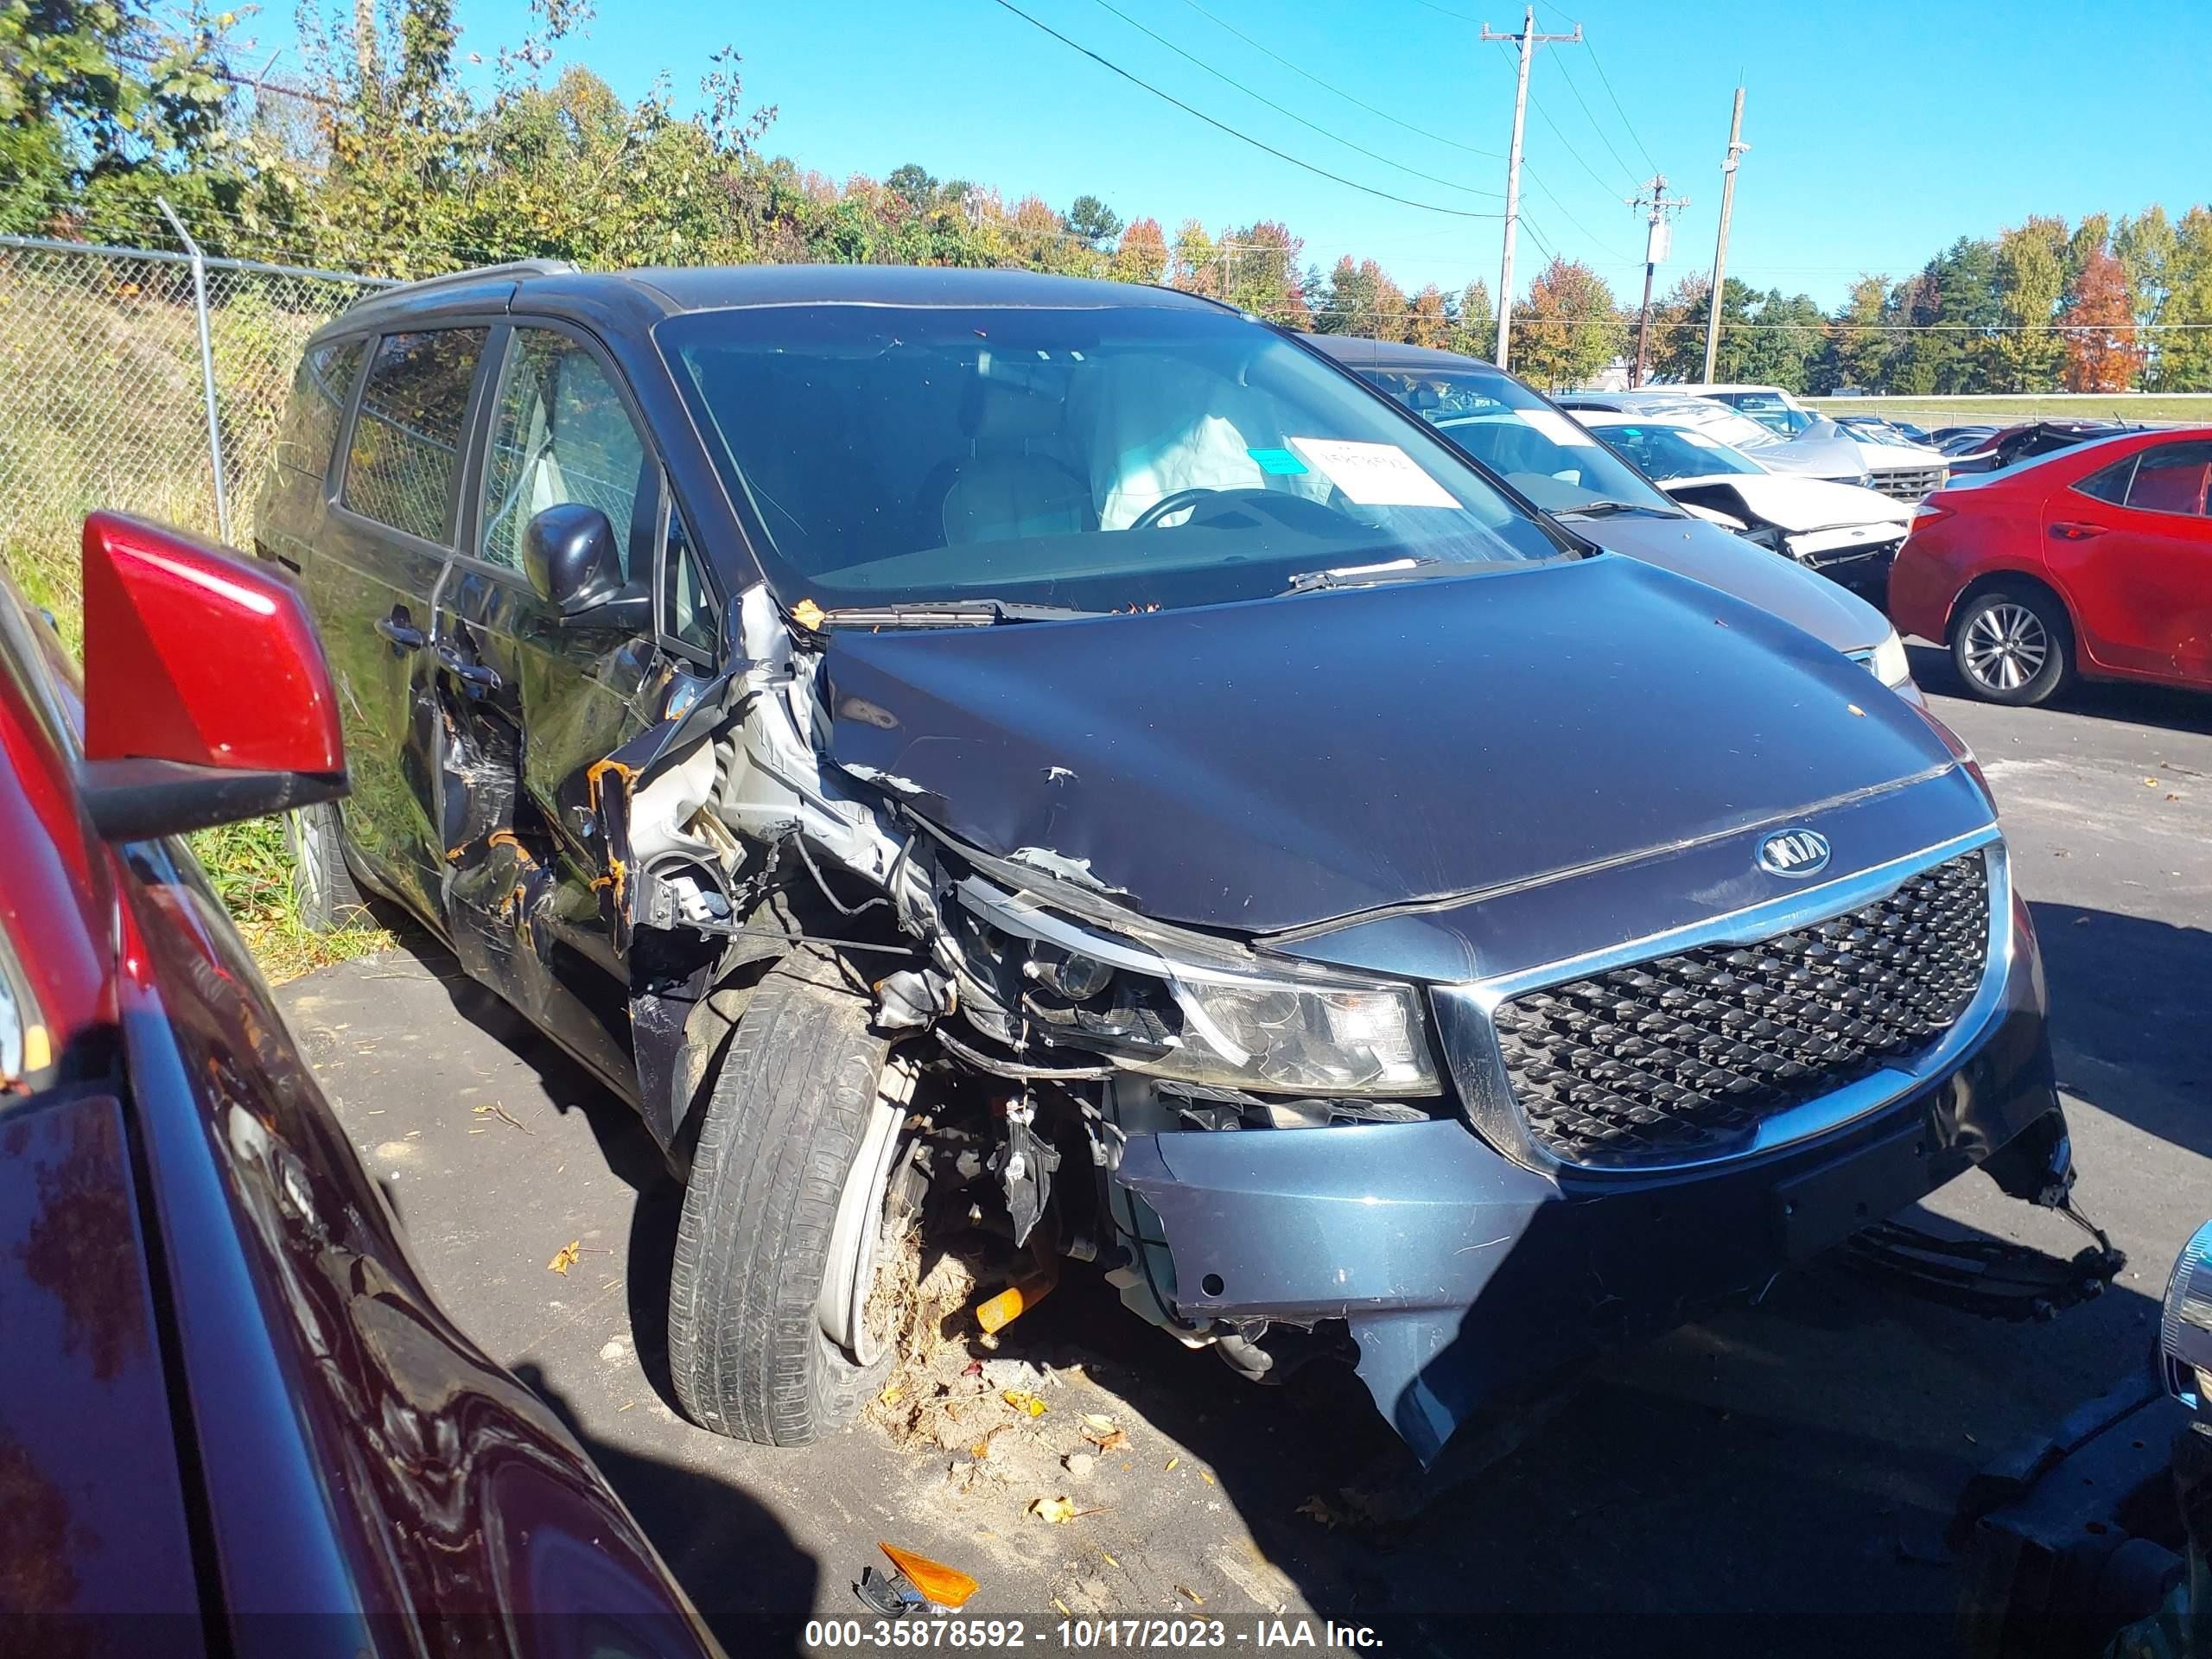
x=2173 y=798
x=1118 y=1440
x=1107 y=1558
x=1056 y=1512
x=1856 y=710
x=981 y=1450
x=890 y=1396
x=1063 y=1606
x=2149 y=783
x=566 y=1258
x=1192 y=1596
x=1321 y=1509
x=626 y=1405
x=807 y=613
x=1104 y=1424
x=1172 y=1462
x=1027 y=1404
x=1206 y=1477
x=973 y=1367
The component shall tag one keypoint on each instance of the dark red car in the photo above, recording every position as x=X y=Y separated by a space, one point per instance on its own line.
x=2094 y=560
x=232 y=1419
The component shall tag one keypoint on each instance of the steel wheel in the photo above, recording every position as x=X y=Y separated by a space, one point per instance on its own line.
x=2007 y=646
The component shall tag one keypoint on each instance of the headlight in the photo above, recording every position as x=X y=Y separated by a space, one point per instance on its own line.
x=1173 y=1005
x=2186 y=1331
x=1889 y=663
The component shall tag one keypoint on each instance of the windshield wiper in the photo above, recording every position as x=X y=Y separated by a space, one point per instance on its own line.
x=1358 y=576
x=1607 y=508
x=945 y=613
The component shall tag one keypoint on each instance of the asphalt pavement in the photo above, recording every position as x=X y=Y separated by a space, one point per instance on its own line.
x=1778 y=1476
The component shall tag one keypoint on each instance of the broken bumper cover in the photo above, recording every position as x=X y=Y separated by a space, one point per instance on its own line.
x=1470 y=1280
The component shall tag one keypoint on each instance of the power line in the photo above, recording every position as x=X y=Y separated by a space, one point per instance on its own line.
x=1223 y=126
x=1568 y=76
x=1279 y=109
x=1436 y=137
x=1627 y=126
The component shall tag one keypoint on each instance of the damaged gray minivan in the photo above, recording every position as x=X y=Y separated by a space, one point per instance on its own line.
x=1069 y=758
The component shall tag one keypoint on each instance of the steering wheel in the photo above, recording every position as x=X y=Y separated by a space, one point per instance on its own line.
x=1278 y=503
x=1173 y=502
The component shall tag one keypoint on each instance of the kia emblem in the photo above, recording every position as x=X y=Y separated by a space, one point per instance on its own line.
x=1794 y=852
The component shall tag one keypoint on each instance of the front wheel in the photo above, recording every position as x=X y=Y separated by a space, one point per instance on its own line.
x=801 y=1207
x=2011 y=646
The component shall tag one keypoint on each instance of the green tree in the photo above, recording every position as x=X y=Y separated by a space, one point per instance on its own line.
x=102 y=108
x=2183 y=362
x=2145 y=246
x=1474 y=322
x=2031 y=279
x=1359 y=298
x=913 y=185
x=1952 y=307
x=1259 y=265
x=1093 y=220
x=1860 y=347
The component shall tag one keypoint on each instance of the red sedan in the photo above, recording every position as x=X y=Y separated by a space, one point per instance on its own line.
x=2094 y=560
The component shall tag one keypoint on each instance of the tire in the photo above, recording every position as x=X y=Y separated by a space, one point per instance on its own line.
x=778 y=1148
x=323 y=889
x=2014 y=646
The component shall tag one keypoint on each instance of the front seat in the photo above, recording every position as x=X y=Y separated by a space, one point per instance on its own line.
x=1016 y=479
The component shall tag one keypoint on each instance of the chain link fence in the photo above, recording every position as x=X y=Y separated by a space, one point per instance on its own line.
x=129 y=379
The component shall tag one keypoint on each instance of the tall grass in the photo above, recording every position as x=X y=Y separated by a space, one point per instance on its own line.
x=101 y=406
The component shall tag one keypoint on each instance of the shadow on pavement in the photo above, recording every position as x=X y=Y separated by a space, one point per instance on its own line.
x=2127 y=701
x=752 y=1585
x=2128 y=992
x=568 y=1083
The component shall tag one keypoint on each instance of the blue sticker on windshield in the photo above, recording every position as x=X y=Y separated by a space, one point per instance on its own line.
x=1279 y=463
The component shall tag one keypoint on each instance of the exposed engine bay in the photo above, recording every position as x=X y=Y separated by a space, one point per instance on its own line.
x=1058 y=1028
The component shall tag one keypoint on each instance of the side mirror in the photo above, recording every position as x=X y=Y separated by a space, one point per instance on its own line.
x=570 y=555
x=206 y=697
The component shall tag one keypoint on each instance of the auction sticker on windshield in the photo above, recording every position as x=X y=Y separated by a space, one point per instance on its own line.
x=1373 y=474
x=1556 y=427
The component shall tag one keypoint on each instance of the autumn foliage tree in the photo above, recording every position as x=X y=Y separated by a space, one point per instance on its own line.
x=1568 y=327
x=2102 y=354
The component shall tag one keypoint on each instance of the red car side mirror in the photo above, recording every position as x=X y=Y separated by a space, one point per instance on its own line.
x=206 y=697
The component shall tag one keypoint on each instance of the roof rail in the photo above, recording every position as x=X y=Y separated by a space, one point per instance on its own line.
x=511 y=268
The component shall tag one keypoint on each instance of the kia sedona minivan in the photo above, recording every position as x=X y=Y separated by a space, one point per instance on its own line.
x=1069 y=758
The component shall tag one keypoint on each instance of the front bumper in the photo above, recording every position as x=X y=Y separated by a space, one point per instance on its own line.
x=1470 y=1280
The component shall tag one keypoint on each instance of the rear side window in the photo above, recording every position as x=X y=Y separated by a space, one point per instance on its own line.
x=317 y=406
x=2172 y=479
x=406 y=449
x=2111 y=483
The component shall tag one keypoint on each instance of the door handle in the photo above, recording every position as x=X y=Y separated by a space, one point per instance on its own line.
x=402 y=632
x=475 y=676
x=2075 y=531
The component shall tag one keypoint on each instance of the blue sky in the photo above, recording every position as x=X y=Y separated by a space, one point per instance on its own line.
x=1880 y=130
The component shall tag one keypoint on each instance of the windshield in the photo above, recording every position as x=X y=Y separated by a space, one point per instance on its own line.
x=1676 y=451
x=1773 y=411
x=1096 y=459
x=1546 y=456
x=1718 y=421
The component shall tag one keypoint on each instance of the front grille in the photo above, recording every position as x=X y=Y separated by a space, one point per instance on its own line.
x=1911 y=483
x=1682 y=1057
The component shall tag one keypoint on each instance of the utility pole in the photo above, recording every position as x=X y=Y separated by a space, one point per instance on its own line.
x=1654 y=203
x=1736 y=148
x=1529 y=41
